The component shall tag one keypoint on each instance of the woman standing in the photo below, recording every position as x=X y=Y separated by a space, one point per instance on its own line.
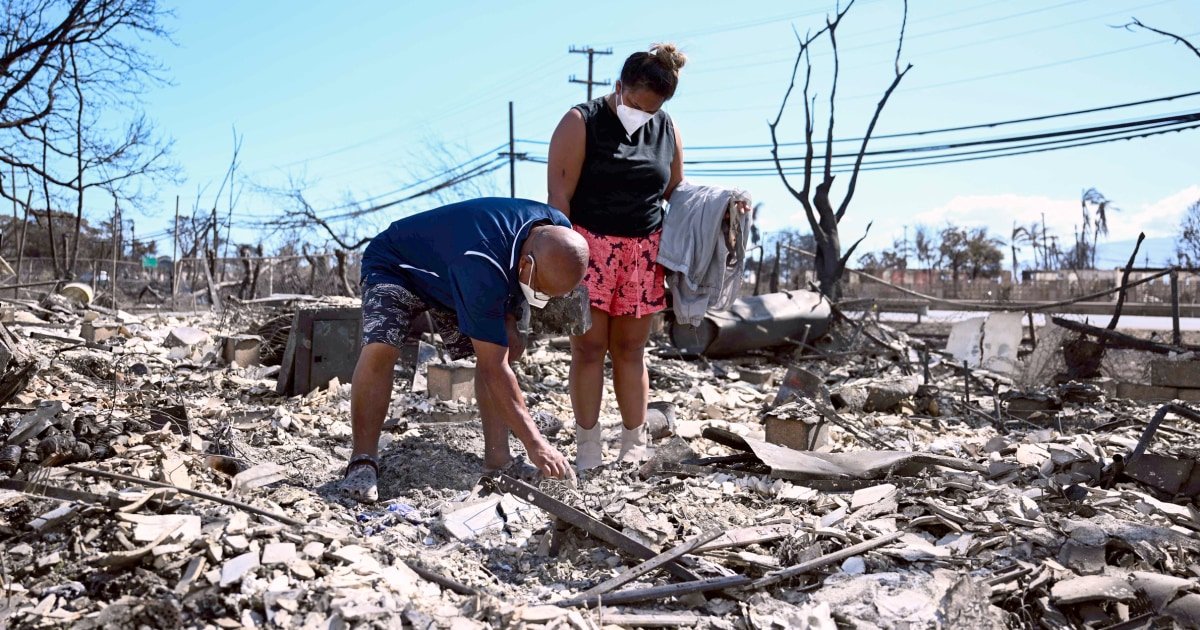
x=613 y=162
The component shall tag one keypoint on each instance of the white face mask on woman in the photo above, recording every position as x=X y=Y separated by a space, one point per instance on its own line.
x=632 y=119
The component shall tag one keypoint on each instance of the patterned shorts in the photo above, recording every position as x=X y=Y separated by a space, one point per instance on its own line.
x=389 y=311
x=623 y=278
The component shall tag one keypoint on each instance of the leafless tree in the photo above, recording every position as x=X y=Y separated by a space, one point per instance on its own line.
x=823 y=217
x=66 y=65
x=1187 y=244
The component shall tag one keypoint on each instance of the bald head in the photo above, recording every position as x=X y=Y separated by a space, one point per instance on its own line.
x=561 y=256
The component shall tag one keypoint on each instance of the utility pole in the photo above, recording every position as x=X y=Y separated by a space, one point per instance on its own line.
x=512 y=154
x=116 y=251
x=175 y=255
x=512 y=157
x=591 y=53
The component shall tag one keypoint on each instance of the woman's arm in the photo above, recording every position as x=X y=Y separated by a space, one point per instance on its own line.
x=676 y=166
x=565 y=160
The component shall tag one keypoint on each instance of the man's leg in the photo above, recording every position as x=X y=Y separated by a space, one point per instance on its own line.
x=387 y=314
x=370 y=395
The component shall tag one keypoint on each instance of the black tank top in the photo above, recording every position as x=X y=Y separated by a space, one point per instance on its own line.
x=621 y=187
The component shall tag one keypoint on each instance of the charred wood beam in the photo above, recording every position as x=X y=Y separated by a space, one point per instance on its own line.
x=1116 y=339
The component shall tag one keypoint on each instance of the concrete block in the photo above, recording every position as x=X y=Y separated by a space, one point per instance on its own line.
x=97 y=332
x=1146 y=393
x=450 y=382
x=794 y=433
x=1165 y=373
x=757 y=376
x=243 y=350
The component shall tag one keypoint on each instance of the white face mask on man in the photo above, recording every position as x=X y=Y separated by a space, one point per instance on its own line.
x=632 y=119
x=536 y=299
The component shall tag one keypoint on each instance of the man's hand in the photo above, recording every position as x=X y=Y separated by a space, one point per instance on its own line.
x=548 y=460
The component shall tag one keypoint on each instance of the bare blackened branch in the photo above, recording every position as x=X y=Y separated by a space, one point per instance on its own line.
x=832 y=28
x=1136 y=23
x=900 y=44
x=850 y=251
x=773 y=126
x=874 y=120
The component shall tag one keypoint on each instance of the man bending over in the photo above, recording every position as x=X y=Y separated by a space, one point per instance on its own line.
x=469 y=265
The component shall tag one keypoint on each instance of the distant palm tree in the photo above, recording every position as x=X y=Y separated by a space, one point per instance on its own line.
x=1021 y=236
x=1096 y=219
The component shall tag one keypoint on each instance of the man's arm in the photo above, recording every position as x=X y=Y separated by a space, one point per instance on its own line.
x=496 y=379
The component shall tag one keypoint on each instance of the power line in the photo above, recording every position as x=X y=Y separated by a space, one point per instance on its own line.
x=1187 y=117
x=1014 y=121
x=1099 y=135
x=910 y=134
x=935 y=160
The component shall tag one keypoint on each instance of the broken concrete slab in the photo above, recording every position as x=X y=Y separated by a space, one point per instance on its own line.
x=1159 y=589
x=279 y=553
x=471 y=520
x=786 y=463
x=258 y=476
x=989 y=343
x=236 y=568
x=871 y=495
x=1185 y=611
x=185 y=337
x=1090 y=589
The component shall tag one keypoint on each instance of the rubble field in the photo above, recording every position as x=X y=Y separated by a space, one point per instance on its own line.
x=150 y=480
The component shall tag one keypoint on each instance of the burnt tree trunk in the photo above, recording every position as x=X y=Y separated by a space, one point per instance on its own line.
x=820 y=211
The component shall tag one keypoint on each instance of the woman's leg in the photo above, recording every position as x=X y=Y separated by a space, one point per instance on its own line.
x=587 y=370
x=627 y=342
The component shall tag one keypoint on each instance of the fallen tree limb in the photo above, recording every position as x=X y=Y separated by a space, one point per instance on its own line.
x=1116 y=339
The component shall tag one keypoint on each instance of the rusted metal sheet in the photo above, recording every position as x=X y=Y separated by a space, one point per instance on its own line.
x=761 y=321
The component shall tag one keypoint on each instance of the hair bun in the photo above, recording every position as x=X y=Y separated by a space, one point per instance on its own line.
x=669 y=55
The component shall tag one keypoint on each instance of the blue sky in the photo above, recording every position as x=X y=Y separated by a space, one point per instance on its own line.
x=351 y=96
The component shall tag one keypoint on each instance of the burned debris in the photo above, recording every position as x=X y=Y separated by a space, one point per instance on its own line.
x=178 y=469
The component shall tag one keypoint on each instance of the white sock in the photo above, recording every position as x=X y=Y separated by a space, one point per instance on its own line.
x=589 y=447
x=633 y=445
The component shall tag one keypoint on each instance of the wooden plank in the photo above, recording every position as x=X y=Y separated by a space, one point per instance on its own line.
x=302 y=331
x=284 y=383
x=656 y=562
x=657 y=593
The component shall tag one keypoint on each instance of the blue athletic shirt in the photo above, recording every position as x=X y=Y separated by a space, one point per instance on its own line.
x=462 y=257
